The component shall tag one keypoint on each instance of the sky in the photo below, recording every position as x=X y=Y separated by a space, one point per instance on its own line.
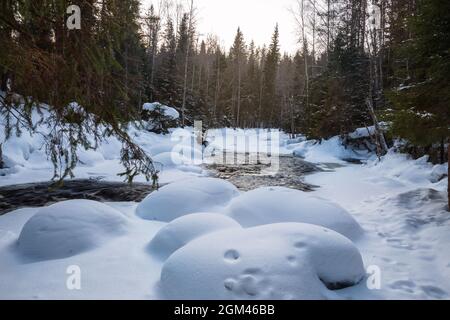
x=256 y=18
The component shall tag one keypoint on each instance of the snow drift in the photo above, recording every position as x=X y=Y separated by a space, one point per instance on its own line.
x=185 y=197
x=169 y=112
x=276 y=205
x=280 y=261
x=69 y=228
x=328 y=151
x=183 y=230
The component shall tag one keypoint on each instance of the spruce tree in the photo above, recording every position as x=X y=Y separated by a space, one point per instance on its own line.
x=270 y=103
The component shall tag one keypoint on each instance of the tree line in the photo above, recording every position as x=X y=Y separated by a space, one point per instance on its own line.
x=358 y=61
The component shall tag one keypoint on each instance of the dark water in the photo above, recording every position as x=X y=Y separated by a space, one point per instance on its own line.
x=247 y=174
x=43 y=194
x=285 y=171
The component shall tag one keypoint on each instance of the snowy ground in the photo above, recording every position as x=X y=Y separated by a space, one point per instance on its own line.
x=201 y=238
x=407 y=226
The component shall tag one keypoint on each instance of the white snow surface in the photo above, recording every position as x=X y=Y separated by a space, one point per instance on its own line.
x=27 y=161
x=183 y=230
x=69 y=228
x=170 y=112
x=327 y=151
x=403 y=211
x=278 y=261
x=400 y=204
x=276 y=204
x=185 y=197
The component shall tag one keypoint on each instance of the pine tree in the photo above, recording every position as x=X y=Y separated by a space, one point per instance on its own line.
x=421 y=99
x=153 y=24
x=98 y=66
x=270 y=103
x=168 y=88
x=238 y=57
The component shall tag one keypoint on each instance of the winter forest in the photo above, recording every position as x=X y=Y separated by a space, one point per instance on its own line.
x=135 y=146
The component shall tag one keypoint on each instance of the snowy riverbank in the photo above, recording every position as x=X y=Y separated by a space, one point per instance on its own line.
x=201 y=238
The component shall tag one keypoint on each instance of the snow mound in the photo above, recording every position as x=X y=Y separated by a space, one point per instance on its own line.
x=171 y=160
x=162 y=148
x=169 y=112
x=438 y=173
x=281 y=261
x=69 y=228
x=183 y=230
x=179 y=156
x=410 y=172
x=185 y=197
x=328 y=151
x=277 y=204
x=367 y=132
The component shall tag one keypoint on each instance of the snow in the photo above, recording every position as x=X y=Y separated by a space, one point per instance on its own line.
x=363 y=133
x=186 y=197
x=367 y=131
x=403 y=211
x=27 y=161
x=280 y=261
x=242 y=141
x=118 y=269
x=199 y=237
x=275 y=204
x=170 y=112
x=183 y=230
x=69 y=228
x=327 y=151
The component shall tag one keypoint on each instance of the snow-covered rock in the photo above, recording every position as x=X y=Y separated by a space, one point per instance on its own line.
x=362 y=133
x=185 y=197
x=439 y=172
x=171 y=160
x=277 y=204
x=328 y=151
x=162 y=148
x=183 y=230
x=281 y=261
x=169 y=112
x=69 y=228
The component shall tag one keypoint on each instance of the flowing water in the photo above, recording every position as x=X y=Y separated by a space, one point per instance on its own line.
x=46 y=193
x=243 y=171
x=248 y=173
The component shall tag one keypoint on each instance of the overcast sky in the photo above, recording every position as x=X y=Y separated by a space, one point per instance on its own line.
x=257 y=19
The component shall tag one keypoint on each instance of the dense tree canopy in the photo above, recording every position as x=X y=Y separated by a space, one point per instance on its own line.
x=394 y=54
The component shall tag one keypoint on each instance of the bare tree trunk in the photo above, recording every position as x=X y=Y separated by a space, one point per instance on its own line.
x=217 y=91
x=305 y=53
x=261 y=82
x=186 y=61
x=2 y=164
x=4 y=82
x=313 y=25
x=239 y=94
x=378 y=132
x=328 y=28
x=291 y=107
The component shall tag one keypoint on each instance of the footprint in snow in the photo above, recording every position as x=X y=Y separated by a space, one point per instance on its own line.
x=232 y=256
x=403 y=285
x=434 y=292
